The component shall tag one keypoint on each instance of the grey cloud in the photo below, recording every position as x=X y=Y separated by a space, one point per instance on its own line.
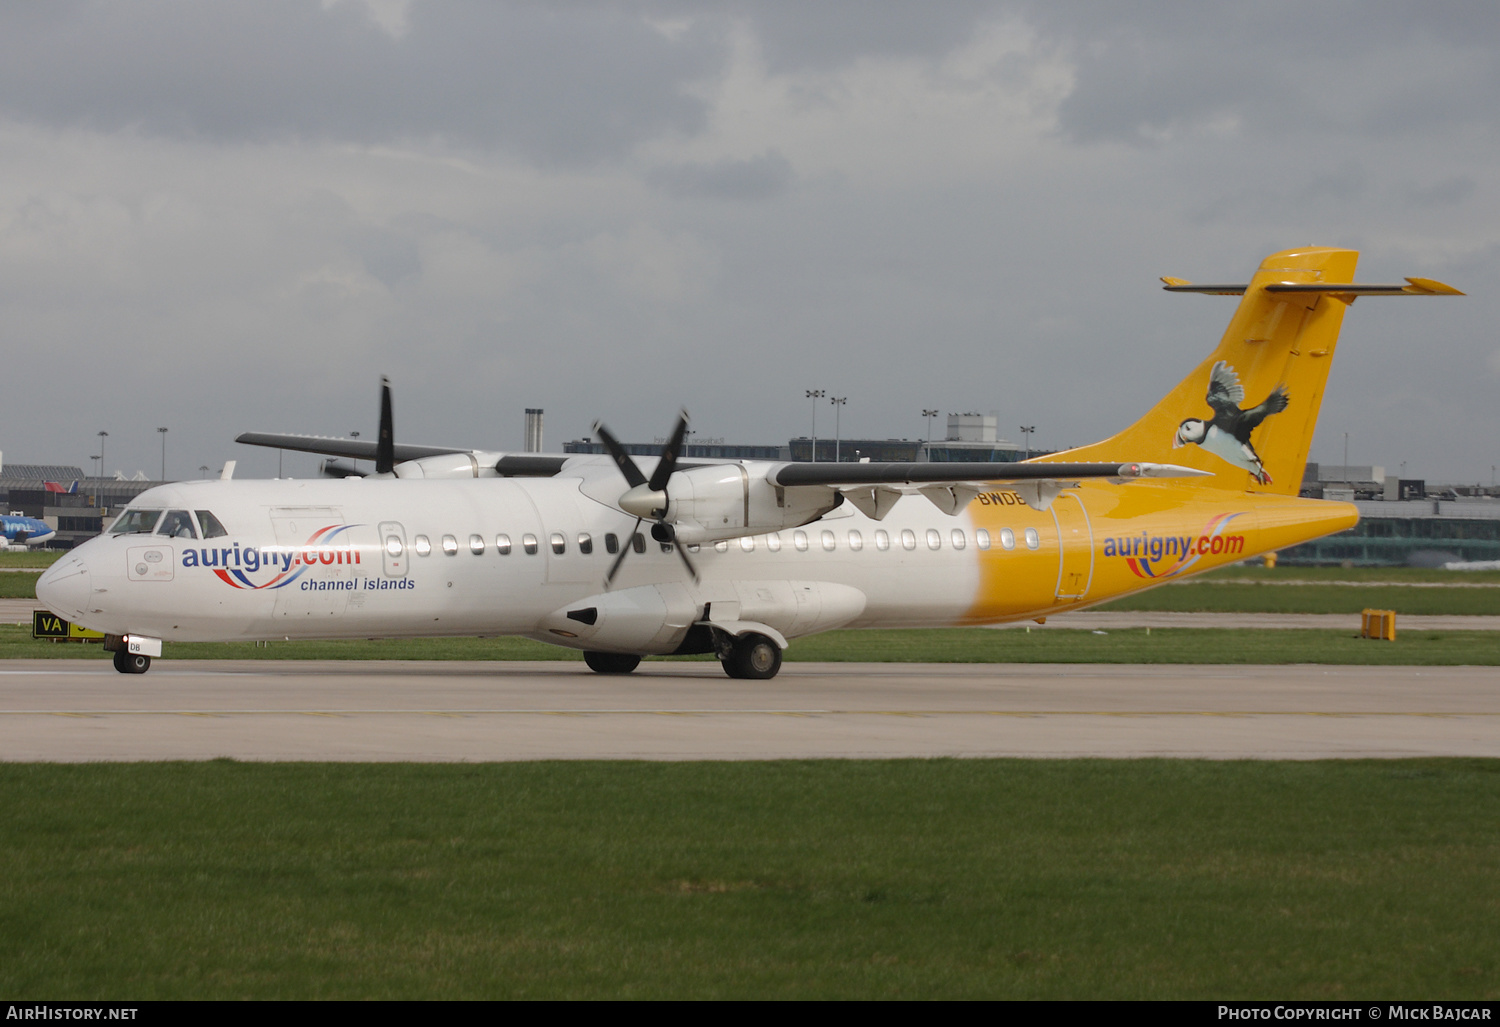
x=1444 y=193
x=570 y=83
x=1369 y=69
x=755 y=178
x=795 y=35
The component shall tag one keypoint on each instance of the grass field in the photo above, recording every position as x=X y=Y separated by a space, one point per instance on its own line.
x=18 y=585
x=932 y=645
x=898 y=879
x=1253 y=597
x=13 y=558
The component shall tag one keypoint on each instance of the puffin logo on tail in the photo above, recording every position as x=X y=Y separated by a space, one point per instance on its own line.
x=1227 y=436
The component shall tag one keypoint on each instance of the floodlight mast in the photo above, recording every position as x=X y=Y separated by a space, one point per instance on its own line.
x=815 y=395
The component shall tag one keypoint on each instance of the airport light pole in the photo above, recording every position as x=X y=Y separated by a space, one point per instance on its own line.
x=163 y=433
x=838 y=408
x=97 y=483
x=1026 y=431
x=1347 y=475
x=815 y=395
x=929 y=414
x=203 y=470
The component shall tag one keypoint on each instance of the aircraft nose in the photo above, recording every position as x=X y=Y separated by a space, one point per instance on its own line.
x=64 y=588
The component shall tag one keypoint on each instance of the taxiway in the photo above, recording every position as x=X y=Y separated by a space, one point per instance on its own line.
x=64 y=710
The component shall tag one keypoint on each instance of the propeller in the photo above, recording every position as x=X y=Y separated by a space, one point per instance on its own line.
x=385 y=443
x=648 y=498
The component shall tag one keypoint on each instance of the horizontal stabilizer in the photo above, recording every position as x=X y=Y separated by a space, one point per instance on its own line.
x=1413 y=287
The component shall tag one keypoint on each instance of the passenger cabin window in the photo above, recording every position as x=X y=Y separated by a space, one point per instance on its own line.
x=799 y=541
x=210 y=525
x=585 y=543
x=958 y=538
x=829 y=542
x=934 y=538
x=393 y=545
x=981 y=538
x=476 y=545
x=177 y=524
x=638 y=542
x=747 y=543
x=135 y=522
x=559 y=543
x=908 y=539
x=1033 y=540
x=450 y=545
x=502 y=545
x=423 y=545
x=1007 y=538
x=528 y=543
x=856 y=540
x=773 y=542
x=882 y=540
x=722 y=546
x=611 y=543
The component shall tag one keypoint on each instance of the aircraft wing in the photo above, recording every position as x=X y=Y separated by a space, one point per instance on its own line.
x=874 y=488
x=910 y=473
x=506 y=465
x=355 y=449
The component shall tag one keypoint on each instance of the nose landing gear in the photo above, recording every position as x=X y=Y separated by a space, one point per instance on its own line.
x=131 y=663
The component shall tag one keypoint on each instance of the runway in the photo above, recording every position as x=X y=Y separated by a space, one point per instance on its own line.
x=18 y=611
x=70 y=711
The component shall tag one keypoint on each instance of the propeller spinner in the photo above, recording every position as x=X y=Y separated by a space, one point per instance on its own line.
x=648 y=498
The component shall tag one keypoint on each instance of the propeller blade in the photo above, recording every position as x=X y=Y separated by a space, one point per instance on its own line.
x=668 y=462
x=385 y=444
x=622 y=459
x=682 y=552
x=624 y=552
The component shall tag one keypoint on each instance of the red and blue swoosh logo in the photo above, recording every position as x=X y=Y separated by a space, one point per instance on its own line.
x=319 y=550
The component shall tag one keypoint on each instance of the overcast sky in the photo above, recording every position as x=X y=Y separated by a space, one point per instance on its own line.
x=236 y=216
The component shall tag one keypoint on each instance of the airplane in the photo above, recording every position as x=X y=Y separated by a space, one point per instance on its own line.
x=743 y=556
x=17 y=530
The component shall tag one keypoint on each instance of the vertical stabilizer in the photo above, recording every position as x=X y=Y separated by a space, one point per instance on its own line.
x=1247 y=413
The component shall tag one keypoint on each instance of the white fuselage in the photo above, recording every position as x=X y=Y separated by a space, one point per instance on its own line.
x=358 y=558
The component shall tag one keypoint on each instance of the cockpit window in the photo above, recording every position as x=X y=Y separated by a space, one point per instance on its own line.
x=177 y=524
x=210 y=525
x=135 y=522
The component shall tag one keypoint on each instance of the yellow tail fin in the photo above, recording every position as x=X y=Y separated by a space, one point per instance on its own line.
x=1247 y=413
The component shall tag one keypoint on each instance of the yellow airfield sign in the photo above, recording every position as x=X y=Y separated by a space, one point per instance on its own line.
x=46 y=624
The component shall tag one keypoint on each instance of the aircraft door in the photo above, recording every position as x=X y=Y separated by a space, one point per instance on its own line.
x=1075 y=540
x=323 y=571
x=562 y=536
x=393 y=547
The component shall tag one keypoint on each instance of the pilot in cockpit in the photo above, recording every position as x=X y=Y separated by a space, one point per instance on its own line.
x=177 y=524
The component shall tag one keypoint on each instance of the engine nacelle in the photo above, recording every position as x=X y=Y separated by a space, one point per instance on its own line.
x=450 y=465
x=655 y=619
x=727 y=501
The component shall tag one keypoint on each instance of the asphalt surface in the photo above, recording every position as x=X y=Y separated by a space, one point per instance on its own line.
x=18 y=611
x=72 y=711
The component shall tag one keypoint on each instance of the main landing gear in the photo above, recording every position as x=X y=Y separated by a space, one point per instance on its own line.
x=753 y=657
x=131 y=663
